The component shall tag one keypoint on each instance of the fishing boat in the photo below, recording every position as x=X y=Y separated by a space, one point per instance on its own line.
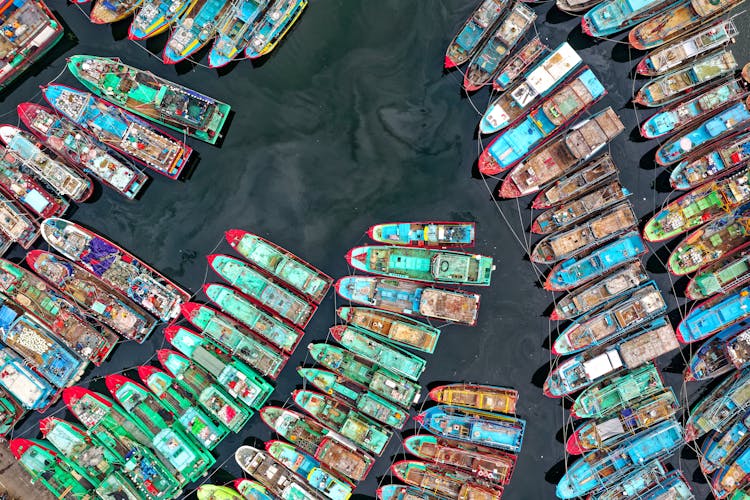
x=612 y=16
x=680 y=20
x=425 y=234
x=727 y=400
x=239 y=341
x=722 y=276
x=633 y=484
x=195 y=28
x=714 y=315
x=616 y=393
x=66 y=181
x=152 y=97
x=11 y=412
x=599 y=293
x=99 y=299
x=234 y=32
x=605 y=433
x=487 y=60
x=579 y=270
x=709 y=243
x=410 y=297
x=724 y=158
x=576 y=6
x=17 y=225
x=62 y=478
x=674 y=84
x=116 y=485
x=474 y=426
x=276 y=22
x=733 y=475
x=695 y=109
x=215 y=492
x=120 y=130
x=263 y=291
x=206 y=391
x=720 y=446
x=156 y=16
x=239 y=380
x=394 y=328
x=81 y=150
x=474 y=31
x=673 y=486
x=280 y=481
x=712 y=359
x=595 y=364
x=340 y=417
x=600 y=468
x=518 y=63
x=252 y=490
x=538 y=82
x=737 y=347
x=181 y=403
x=333 y=450
x=401 y=492
x=366 y=373
x=30 y=389
x=576 y=183
x=423 y=264
x=281 y=264
x=480 y=397
x=681 y=52
x=444 y=481
x=108 y=12
x=542 y=123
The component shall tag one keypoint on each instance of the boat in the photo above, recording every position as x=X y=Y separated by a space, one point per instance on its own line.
x=295 y=273
x=737 y=346
x=394 y=328
x=108 y=12
x=680 y=20
x=206 y=391
x=366 y=373
x=682 y=51
x=156 y=16
x=616 y=393
x=579 y=270
x=480 y=462
x=180 y=403
x=96 y=297
x=694 y=109
x=542 y=122
x=17 y=225
x=444 y=481
x=727 y=400
x=367 y=403
x=613 y=16
x=252 y=490
x=263 y=291
x=29 y=388
x=66 y=181
x=724 y=158
x=62 y=478
x=576 y=183
x=428 y=234
x=270 y=328
x=310 y=470
x=116 y=266
x=341 y=418
x=710 y=242
x=11 y=412
x=719 y=447
x=714 y=315
x=605 y=433
x=571 y=242
x=633 y=484
x=234 y=32
x=336 y=452
x=152 y=97
x=280 y=481
x=237 y=340
x=599 y=293
x=241 y=382
x=276 y=22
x=538 y=82
x=733 y=476
x=576 y=6
x=600 y=468
x=120 y=130
x=194 y=29
x=81 y=150
x=410 y=297
x=116 y=485
x=474 y=32
x=480 y=397
x=595 y=364
x=477 y=427
x=423 y=264
x=712 y=358
x=518 y=63
x=486 y=62
x=401 y=492
x=673 y=486
x=215 y=492
x=674 y=84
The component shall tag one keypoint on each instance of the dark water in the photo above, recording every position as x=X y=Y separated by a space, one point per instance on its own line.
x=352 y=122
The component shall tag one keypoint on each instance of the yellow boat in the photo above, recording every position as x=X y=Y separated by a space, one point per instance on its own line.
x=481 y=397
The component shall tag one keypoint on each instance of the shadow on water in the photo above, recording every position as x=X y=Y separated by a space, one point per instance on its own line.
x=228 y=68
x=540 y=376
x=156 y=44
x=556 y=16
x=623 y=52
x=581 y=41
x=661 y=183
x=556 y=472
x=225 y=129
x=120 y=28
x=656 y=262
x=647 y=161
x=678 y=363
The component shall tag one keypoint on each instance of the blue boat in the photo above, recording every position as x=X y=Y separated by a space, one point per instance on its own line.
x=616 y=15
x=30 y=389
x=473 y=32
x=156 y=16
x=712 y=359
x=582 y=269
x=721 y=445
x=723 y=158
x=734 y=475
x=271 y=28
x=638 y=481
x=720 y=406
x=714 y=315
x=194 y=29
x=474 y=426
x=673 y=486
x=235 y=31
x=599 y=469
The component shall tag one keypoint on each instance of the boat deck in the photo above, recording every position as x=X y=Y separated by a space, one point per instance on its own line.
x=649 y=346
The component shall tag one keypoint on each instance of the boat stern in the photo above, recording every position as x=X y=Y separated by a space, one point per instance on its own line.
x=487 y=164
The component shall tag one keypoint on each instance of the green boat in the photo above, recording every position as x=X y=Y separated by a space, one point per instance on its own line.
x=180 y=403
x=722 y=276
x=364 y=372
x=275 y=331
x=10 y=412
x=240 y=381
x=167 y=435
x=395 y=328
x=341 y=418
x=118 y=487
x=423 y=264
x=252 y=490
x=215 y=492
x=209 y=394
x=615 y=393
x=262 y=290
x=391 y=357
x=235 y=338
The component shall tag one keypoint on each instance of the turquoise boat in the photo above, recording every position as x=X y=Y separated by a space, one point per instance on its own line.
x=474 y=32
x=720 y=446
x=234 y=31
x=390 y=327
x=714 y=315
x=631 y=485
x=24 y=384
x=251 y=490
x=11 y=412
x=194 y=29
x=156 y=16
x=401 y=492
x=720 y=406
x=723 y=158
x=428 y=234
x=612 y=16
x=674 y=486
x=277 y=20
x=62 y=478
